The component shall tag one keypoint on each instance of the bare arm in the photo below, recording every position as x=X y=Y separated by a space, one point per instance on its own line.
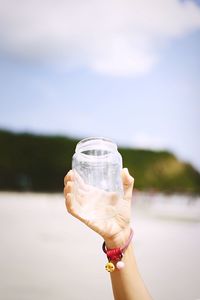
x=126 y=283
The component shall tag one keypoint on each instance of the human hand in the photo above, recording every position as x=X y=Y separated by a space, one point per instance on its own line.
x=115 y=230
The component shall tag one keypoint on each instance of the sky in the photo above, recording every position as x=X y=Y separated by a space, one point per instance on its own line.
x=127 y=70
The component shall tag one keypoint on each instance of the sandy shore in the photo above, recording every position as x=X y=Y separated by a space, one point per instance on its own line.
x=45 y=254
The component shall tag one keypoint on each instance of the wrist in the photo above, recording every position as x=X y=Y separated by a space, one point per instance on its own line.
x=119 y=239
x=115 y=249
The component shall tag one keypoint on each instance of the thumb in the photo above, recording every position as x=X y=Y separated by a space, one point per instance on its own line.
x=128 y=182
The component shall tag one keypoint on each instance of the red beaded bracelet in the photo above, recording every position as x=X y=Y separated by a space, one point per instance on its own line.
x=116 y=254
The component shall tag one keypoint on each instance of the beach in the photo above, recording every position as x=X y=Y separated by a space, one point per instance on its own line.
x=46 y=254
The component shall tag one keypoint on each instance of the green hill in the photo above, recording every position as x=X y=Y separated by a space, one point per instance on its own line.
x=39 y=163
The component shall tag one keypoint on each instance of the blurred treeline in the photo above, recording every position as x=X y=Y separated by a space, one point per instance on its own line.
x=38 y=163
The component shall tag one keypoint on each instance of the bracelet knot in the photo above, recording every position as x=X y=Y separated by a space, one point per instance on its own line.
x=114 y=254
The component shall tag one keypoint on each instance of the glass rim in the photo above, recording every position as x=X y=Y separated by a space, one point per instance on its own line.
x=89 y=142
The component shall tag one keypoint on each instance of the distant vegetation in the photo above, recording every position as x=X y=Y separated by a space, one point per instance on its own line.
x=39 y=163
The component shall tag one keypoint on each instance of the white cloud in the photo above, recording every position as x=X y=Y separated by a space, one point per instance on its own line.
x=117 y=37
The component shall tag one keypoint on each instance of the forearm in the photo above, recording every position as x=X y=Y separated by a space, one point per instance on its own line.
x=127 y=283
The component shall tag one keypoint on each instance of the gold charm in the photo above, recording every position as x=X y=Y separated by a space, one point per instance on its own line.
x=110 y=267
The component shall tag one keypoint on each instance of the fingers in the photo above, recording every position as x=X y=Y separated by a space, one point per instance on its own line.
x=69 y=177
x=68 y=188
x=73 y=175
x=80 y=182
x=128 y=182
x=72 y=207
x=69 y=204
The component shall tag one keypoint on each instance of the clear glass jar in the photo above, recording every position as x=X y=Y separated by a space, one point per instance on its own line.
x=98 y=187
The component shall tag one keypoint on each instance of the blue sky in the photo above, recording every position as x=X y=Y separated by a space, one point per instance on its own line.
x=140 y=87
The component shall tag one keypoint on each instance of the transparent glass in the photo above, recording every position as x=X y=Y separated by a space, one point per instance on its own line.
x=98 y=187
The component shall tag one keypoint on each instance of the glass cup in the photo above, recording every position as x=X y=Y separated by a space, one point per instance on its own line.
x=97 y=169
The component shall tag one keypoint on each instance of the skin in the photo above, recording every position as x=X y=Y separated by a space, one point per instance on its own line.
x=126 y=283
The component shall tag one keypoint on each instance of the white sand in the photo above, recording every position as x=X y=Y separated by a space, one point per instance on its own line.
x=45 y=254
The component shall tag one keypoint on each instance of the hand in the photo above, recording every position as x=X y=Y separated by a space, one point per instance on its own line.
x=115 y=230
